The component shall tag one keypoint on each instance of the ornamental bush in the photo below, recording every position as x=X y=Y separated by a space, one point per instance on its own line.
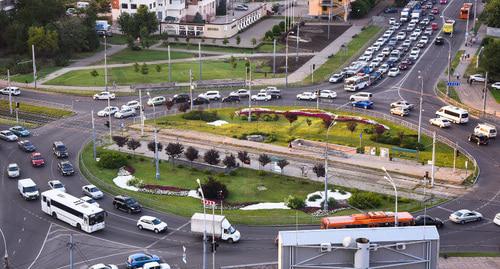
x=112 y=160
x=207 y=116
x=214 y=189
x=365 y=200
x=294 y=202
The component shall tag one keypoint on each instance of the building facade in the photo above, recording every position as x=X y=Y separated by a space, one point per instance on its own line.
x=325 y=8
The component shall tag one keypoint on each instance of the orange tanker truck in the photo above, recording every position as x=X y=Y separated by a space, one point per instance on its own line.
x=369 y=219
x=465 y=11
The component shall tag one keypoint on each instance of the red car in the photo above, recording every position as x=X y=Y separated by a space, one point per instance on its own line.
x=435 y=11
x=443 y=2
x=403 y=66
x=37 y=160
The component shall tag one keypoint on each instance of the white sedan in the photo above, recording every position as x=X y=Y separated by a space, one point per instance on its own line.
x=13 y=170
x=8 y=136
x=327 y=94
x=440 y=122
x=151 y=223
x=104 y=96
x=156 y=101
x=103 y=266
x=496 y=85
x=307 y=96
x=261 y=96
x=383 y=68
x=125 y=112
x=464 y=215
x=335 y=78
x=133 y=104
x=496 y=220
x=402 y=103
x=57 y=185
x=92 y=191
x=393 y=72
x=109 y=110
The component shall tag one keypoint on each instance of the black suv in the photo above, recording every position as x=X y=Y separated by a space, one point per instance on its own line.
x=428 y=220
x=127 y=204
x=181 y=98
x=438 y=41
x=479 y=139
x=60 y=149
x=231 y=99
x=65 y=168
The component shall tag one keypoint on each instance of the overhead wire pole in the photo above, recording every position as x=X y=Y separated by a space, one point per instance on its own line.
x=93 y=136
x=109 y=119
x=433 y=157
x=141 y=113
x=205 y=224
x=169 y=65
x=485 y=93
x=71 y=245
x=199 y=57
x=106 y=64
x=329 y=18
x=6 y=253
x=34 y=63
x=190 y=89
x=250 y=93
x=298 y=37
x=420 y=106
x=274 y=57
x=325 y=201
x=10 y=91
x=389 y=178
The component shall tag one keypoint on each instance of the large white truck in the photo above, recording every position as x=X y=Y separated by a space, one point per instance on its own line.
x=415 y=14
x=215 y=225
x=405 y=14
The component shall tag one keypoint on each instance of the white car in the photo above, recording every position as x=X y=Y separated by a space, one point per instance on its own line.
x=92 y=191
x=424 y=39
x=125 y=112
x=415 y=49
x=386 y=51
x=414 y=36
x=496 y=85
x=261 y=96
x=393 y=72
x=400 y=111
x=211 y=95
x=133 y=104
x=89 y=200
x=8 y=136
x=407 y=43
x=464 y=215
x=109 y=110
x=402 y=103
x=477 y=77
x=327 y=94
x=410 y=27
x=56 y=185
x=421 y=44
x=392 y=21
x=12 y=90
x=152 y=224
x=104 y=96
x=336 y=78
x=413 y=55
x=380 y=57
x=156 y=101
x=155 y=265
x=103 y=266
x=307 y=96
x=383 y=68
x=241 y=93
x=375 y=63
x=496 y=220
x=13 y=170
x=401 y=36
x=440 y=122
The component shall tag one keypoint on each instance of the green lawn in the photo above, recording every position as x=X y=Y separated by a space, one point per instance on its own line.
x=41 y=73
x=496 y=94
x=12 y=122
x=145 y=55
x=242 y=187
x=265 y=47
x=337 y=61
x=284 y=132
x=180 y=73
x=453 y=93
x=116 y=39
x=40 y=110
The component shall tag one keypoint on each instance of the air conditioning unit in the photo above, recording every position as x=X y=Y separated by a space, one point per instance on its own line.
x=400 y=246
x=325 y=247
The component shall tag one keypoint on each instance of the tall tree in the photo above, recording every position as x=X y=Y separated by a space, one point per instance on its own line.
x=492 y=13
x=139 y=25
x=191 y=154
x=490 y=59
x=319 y=170
x=229 y=161
x=212 y=157
x=45 y=41
x=133 y=144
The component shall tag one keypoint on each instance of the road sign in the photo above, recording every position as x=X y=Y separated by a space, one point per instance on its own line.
x=453 y=83
x=208 y=202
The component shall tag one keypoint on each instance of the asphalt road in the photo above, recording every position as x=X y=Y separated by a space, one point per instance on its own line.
x=34 y=240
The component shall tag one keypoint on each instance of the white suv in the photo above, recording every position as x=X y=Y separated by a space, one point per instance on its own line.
x=151 y=223
x=360 y=96
x=211 y=95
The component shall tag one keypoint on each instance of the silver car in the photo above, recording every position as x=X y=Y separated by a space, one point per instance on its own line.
x=125 y=112
x=464 y=215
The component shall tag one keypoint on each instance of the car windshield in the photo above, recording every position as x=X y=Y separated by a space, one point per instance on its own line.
x=13 y=168
x=58 y=185
x=67 y=166
x=458 y=214
x=30 y=189
x=156 y=221
x=37 y=157
x=96 y=218
x=93 y=189
x=61 y=148
x=231 y=230
x=28 y=144
x=130 y=201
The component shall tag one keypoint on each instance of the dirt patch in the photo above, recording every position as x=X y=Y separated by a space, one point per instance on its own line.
x=315 y=37
x=267 y=64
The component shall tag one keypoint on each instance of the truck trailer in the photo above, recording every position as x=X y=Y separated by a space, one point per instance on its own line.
x=448 y=26
x=215 y=225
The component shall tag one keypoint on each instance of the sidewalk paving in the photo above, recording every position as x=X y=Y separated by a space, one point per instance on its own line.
x=469 y=262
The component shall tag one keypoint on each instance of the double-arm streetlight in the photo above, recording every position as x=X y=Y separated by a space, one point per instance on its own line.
x=389 y=178
x=157 y=161
x=420 y=106
x=204 y=224
x=325 y=202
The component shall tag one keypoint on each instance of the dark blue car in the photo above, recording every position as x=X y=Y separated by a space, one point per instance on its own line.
x=390 y=10
x=139 y=259
x=363 y=104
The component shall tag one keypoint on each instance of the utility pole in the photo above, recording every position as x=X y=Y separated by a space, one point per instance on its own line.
x=6 y=253
x=475 y=11
x=34 y=63
x=169 y=66
x=455 y=156
x=329 y=18
x=141 y=114
x=106 y=67
x=191 y=89
x=93 y=135
x=297 y=48
x=10 y=91
x=420 y=106
x=286 y=62
x=449 y=69
x=199 y=57
x=213 y=237
x=157 y=175
x=109 y=119
x=250 y=94
x=274 y=57
x=485 y=93
x=71 y=245
x=433 y=157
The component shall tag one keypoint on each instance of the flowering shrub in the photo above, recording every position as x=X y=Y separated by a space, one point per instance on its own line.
x=164 y=190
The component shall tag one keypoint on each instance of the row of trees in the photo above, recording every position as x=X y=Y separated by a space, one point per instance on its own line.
x=491 y=13
x=361 y=7
x=138 y=27
x=490 y=60
x=44 y=23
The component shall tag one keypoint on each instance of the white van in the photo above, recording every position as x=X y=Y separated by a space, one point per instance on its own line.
x=360 y=96
x=486 y=129
x=28 y=189
x=82 y=4
x=454 y=114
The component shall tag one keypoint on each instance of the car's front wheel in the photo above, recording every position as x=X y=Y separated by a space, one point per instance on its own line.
x=140 y=227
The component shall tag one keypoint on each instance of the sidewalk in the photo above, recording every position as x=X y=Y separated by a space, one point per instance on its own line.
x=469 y=262
x=356 y=171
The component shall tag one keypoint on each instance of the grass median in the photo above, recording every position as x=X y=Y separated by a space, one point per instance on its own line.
x=242 y=186
x=146 y=55
x=39 y=110
x=180 y=73
x=281 y=132
x=441 y=86
x=337 y=61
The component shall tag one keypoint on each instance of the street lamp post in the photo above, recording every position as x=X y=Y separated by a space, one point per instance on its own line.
x=420 y=106
x=478 y=56
x=389 y=178
x=325 y=201
x=109 y=119
x=105 y=63
x=286 y=58
x=205 y=224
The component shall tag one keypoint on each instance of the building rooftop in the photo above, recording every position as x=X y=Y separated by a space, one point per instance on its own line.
x=233 y=15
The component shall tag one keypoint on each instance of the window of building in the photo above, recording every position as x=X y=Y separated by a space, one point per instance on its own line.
x=125 y=6
x=133 y=6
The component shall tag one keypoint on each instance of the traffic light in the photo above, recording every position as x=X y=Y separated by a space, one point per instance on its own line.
x=17 y=104
x=107 y=123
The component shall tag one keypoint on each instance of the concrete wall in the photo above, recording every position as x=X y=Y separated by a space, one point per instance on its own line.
x=491 y=31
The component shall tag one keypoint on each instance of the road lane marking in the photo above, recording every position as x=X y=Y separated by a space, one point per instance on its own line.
x=168 y=234
x=41 y=248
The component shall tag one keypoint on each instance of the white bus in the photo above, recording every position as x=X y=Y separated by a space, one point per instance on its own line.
x=357 y=83
x=454 y=114
x=73 y=211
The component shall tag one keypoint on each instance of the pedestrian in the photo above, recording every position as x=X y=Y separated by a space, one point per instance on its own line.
x=458 y=77
x=290 y=146
x=468 y=55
